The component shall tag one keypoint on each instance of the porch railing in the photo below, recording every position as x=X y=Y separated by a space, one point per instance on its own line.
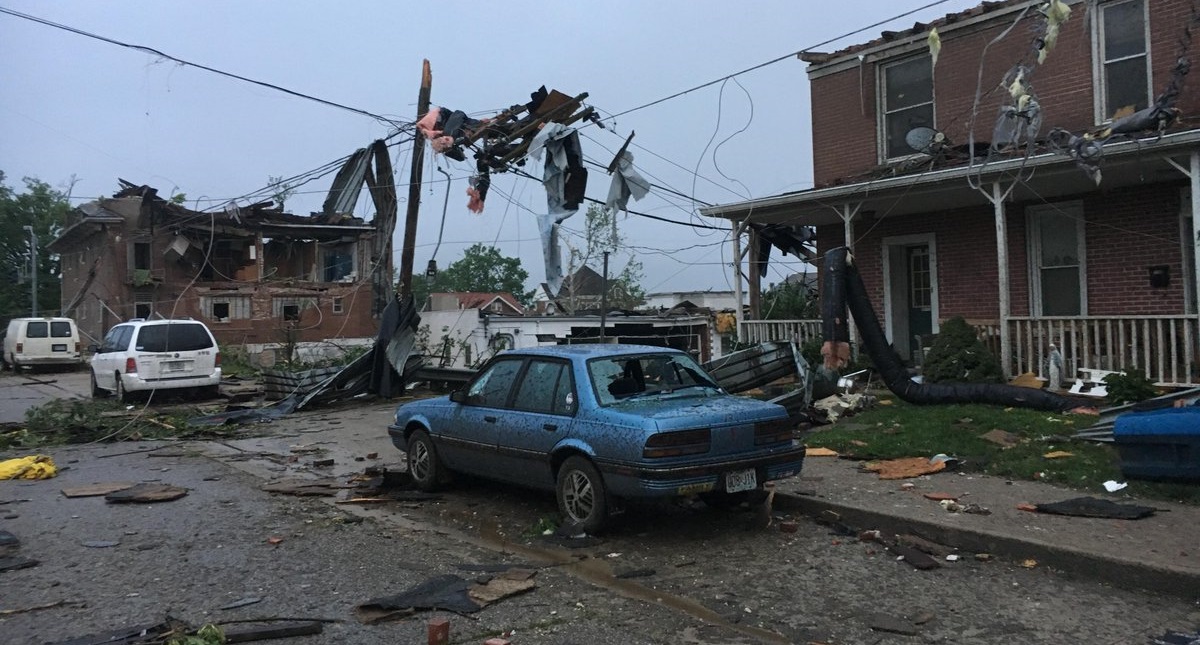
x=1164 y=347
x=761 y=331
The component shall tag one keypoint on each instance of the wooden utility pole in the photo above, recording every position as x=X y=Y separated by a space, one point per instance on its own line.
x=414 y=186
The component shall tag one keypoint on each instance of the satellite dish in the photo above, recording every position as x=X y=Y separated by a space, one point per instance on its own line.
x=923 y=139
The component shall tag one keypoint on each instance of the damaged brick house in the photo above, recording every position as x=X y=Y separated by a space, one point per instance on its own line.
x=1055 y=205
x=258 y=277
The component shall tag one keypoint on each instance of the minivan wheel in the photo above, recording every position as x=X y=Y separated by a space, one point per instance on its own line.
x=120 y=392
x=97 y=391
x=582 y=498
x=424 y=465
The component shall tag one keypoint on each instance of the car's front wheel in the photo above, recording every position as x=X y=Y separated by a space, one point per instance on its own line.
x=97 y=391
x=582 y=499
x=424 y=466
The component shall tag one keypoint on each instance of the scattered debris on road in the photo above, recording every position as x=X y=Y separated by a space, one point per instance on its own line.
x=1095 y=507
x=905 y=468
x=448 y=593
x=146 y=494
x=95 y=490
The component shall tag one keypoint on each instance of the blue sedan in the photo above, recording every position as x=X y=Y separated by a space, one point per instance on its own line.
x=597 y=424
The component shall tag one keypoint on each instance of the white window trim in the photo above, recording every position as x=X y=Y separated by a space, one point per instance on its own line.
x=881 y=105
x=889 y=306
x=1034 y=244
x=1099 y=91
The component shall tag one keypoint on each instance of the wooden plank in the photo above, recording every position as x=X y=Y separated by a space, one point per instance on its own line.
x=96 y=490
x=283 y=630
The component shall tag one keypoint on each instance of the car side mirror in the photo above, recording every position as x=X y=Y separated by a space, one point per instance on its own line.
x=94 y=348
x=458 y=396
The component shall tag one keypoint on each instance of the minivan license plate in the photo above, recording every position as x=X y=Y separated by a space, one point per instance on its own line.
x=58 y=348
x=740 y=480
x=174 y=366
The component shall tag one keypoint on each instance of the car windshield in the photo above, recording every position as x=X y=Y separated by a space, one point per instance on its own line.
x=624 y=377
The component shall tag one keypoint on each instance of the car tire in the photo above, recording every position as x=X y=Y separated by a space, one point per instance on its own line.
x=424 y=466
x=119 y=391
x=582 y=497
x=97 y=391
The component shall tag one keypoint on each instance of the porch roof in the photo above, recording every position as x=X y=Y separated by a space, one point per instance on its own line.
x=1054 y=176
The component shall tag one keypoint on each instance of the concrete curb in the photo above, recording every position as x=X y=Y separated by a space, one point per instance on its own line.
x=1120 y=572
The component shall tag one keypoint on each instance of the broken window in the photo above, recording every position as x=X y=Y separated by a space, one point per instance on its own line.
x=143 y=310
x=224 y=260
x=225 y=308
x=1124 y=60
x=907 y=102
x=337 y=263
x=290 y=308
x=141 y=256
x=1056 y=254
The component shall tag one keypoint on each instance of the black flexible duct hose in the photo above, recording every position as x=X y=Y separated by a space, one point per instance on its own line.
x=888 y=362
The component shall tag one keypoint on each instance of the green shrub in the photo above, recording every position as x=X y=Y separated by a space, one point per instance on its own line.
x=1130 y=387
x=958 y=356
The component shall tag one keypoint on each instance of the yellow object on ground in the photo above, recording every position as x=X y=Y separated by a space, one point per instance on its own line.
x=31 y=467
x=1058 y=454
x=820 y=452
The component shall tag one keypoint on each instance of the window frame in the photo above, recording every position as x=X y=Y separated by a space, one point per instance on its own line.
x=567 y=371
x=1034 y=249
x=881 y=107
x=1103 y=111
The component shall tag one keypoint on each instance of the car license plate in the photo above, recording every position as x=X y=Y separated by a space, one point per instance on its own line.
x=58 y=348
x=740 y=480
x=174 y=366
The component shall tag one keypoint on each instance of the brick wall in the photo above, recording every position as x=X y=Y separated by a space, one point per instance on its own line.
x=844 y=109
x=1126 y=232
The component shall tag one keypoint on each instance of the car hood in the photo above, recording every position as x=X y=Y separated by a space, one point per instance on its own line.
x=669 y=413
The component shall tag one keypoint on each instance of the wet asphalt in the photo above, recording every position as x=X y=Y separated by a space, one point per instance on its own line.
x=666 y=573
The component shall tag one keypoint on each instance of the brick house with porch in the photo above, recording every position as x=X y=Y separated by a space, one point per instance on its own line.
x=1031 y=244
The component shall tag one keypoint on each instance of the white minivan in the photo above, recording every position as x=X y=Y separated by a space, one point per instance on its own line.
x=144 y=355
x=34 y=342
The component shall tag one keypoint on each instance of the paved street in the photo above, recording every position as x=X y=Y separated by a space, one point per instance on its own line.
x=664 y=574
x=22 y=390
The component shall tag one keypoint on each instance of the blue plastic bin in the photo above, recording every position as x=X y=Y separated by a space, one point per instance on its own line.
x=1160 y=444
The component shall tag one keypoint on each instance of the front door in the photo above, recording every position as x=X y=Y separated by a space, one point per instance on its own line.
x=920 y=292
x=910 y=294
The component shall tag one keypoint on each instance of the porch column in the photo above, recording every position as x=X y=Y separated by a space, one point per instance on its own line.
x=755 y=278
x=738 y=294
x=1194 y=186
x=997 y=200
x=848 y=213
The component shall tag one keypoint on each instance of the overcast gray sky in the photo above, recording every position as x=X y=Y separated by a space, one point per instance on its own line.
x=71 y=106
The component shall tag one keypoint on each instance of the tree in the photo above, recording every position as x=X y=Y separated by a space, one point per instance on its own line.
x=482 y=268
x=600 y=235
x=44 y=209
x=790 y=300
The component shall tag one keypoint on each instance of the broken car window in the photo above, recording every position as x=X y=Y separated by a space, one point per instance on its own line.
x=623 y=377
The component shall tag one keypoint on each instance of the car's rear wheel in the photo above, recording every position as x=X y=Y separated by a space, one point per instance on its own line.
x=582 y=498
x=119 y=391
x=424 y=465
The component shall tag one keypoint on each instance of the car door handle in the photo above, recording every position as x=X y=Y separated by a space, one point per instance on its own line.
x=549 y=427
x=490 y=419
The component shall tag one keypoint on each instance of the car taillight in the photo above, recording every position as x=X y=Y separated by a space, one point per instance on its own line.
x=217 y=360
x=78 y=347
x=20 y=347
x=130 y=366
x=777 y=431
x=677 y=444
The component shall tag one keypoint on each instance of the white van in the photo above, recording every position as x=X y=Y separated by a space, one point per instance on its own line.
x=34 y=342
x=143 y=355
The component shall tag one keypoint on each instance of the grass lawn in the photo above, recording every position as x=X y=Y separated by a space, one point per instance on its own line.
x=897 y=429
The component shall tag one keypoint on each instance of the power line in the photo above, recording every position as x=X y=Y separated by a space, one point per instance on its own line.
x=780 y=58
x=150 y=50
